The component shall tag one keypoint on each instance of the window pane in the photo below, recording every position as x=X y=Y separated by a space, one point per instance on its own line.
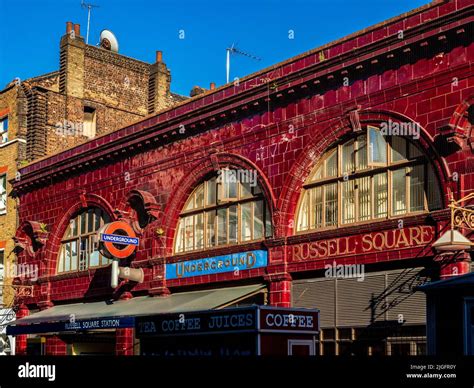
x=233 y=224
x=67 y=261
x=199 y=225
x=399 y=149
x=246 y=210
x=362 y=152
x=377 y=147
x=72 y=229
x=365 y=201
x=221 y=226
x=317 y=207
x=331 y=204
x=245 y=190
x=319 y=173
x=211 y=191
x=399 y=198
x=414 y=152
x=74 y=255
x=188 y=233
x=268 y=222
x=62 y=258
x=303 y=215
x=200 y=196
x=434 y=190
x=348 y=157
x=94 y=255
x=380 y=195
x=417 y=186
x=3 y=193
x=348 y=201
x=258 y=220
x=98 y=215
x=83 y=219
x=90 y=220
x=83 y=254
x=331 y=165
x=211 y=229
x=190 y=203
x=180 y=236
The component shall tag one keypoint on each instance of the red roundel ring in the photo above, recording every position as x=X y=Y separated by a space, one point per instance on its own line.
x=109 y=247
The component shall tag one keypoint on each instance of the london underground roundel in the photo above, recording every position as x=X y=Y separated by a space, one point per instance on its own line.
x=117 y=240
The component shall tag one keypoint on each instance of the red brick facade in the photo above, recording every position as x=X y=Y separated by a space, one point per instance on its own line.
x=277 y=122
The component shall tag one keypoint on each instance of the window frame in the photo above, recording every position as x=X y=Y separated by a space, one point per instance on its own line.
x=5 y=131
x=78 y=237
x=418 y=158
x=5 y=194
x=220 y=203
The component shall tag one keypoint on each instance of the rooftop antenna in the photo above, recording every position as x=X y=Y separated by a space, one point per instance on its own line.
x=88 y=6
x=234 y=50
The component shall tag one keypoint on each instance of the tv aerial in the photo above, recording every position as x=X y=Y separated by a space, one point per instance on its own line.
x=234 y=50
x=89 y=7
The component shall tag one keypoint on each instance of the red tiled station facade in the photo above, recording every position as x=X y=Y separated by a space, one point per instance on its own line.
x=278 y=122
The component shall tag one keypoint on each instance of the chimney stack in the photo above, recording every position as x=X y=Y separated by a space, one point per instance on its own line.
x=77 y=29
x=213 y=86
x=68 y=27
x=159 y=56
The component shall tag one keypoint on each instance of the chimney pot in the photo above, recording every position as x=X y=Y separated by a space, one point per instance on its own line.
x=159 y=56
x=213 y=86
x=68 y=27
x=77 y=29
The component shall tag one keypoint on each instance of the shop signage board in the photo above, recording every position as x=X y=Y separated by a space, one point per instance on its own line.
x=383 y=241
x=76 y=325
x=218 y=264
x=257 y=319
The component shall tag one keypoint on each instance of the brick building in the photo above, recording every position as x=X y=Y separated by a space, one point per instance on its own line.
x=95 y=91
x=267 y=191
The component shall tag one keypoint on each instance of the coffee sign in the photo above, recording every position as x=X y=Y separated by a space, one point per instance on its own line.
x=387 y=240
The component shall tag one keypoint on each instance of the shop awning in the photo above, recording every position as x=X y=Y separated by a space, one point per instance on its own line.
x=106 y=314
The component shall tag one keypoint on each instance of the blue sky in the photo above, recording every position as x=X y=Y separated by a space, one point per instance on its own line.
x=31 y=29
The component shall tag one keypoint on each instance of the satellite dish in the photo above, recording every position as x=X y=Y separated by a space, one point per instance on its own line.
x=108 y=41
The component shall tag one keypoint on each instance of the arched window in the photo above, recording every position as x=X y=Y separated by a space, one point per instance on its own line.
x=226 y=209
x=370 y=177
x=79 y=246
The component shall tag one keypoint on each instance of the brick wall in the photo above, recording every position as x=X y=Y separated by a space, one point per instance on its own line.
x=281 y=128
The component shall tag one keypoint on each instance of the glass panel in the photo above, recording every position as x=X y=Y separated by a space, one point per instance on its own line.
x=319 y=173
x=199 y=222
x=317 y=207
x=246 y=232
x=258 y=220
x=417 y=186
x=380 y=195
x=361 y=152
x=200 y=197
x=83 y=254
x=331 y=165
x=72 y=230
x=348 y=157
x=74 y=255
x=331 y=204
x=67 y=261
x=413 y=151
x=233 y=224
x=399 y=149
x=180 y=236
x=211 y=191
x=434 y=190
x=94 y=255
x=211 y=229
x=229 y=182
x=221 y=226
x=188 y=233
x=377 y=147
x=268 y=222
x=90 y=220
x=190 y=203
x=303 y=215
x=98 y=216
x=82 y=221
x=245 y=190
x=348 y=201
x=365 y=201
x=399 y=199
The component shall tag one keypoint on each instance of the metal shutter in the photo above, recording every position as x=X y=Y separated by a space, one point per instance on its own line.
x=316 y=293
x=402 y=299
x=358 y=302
